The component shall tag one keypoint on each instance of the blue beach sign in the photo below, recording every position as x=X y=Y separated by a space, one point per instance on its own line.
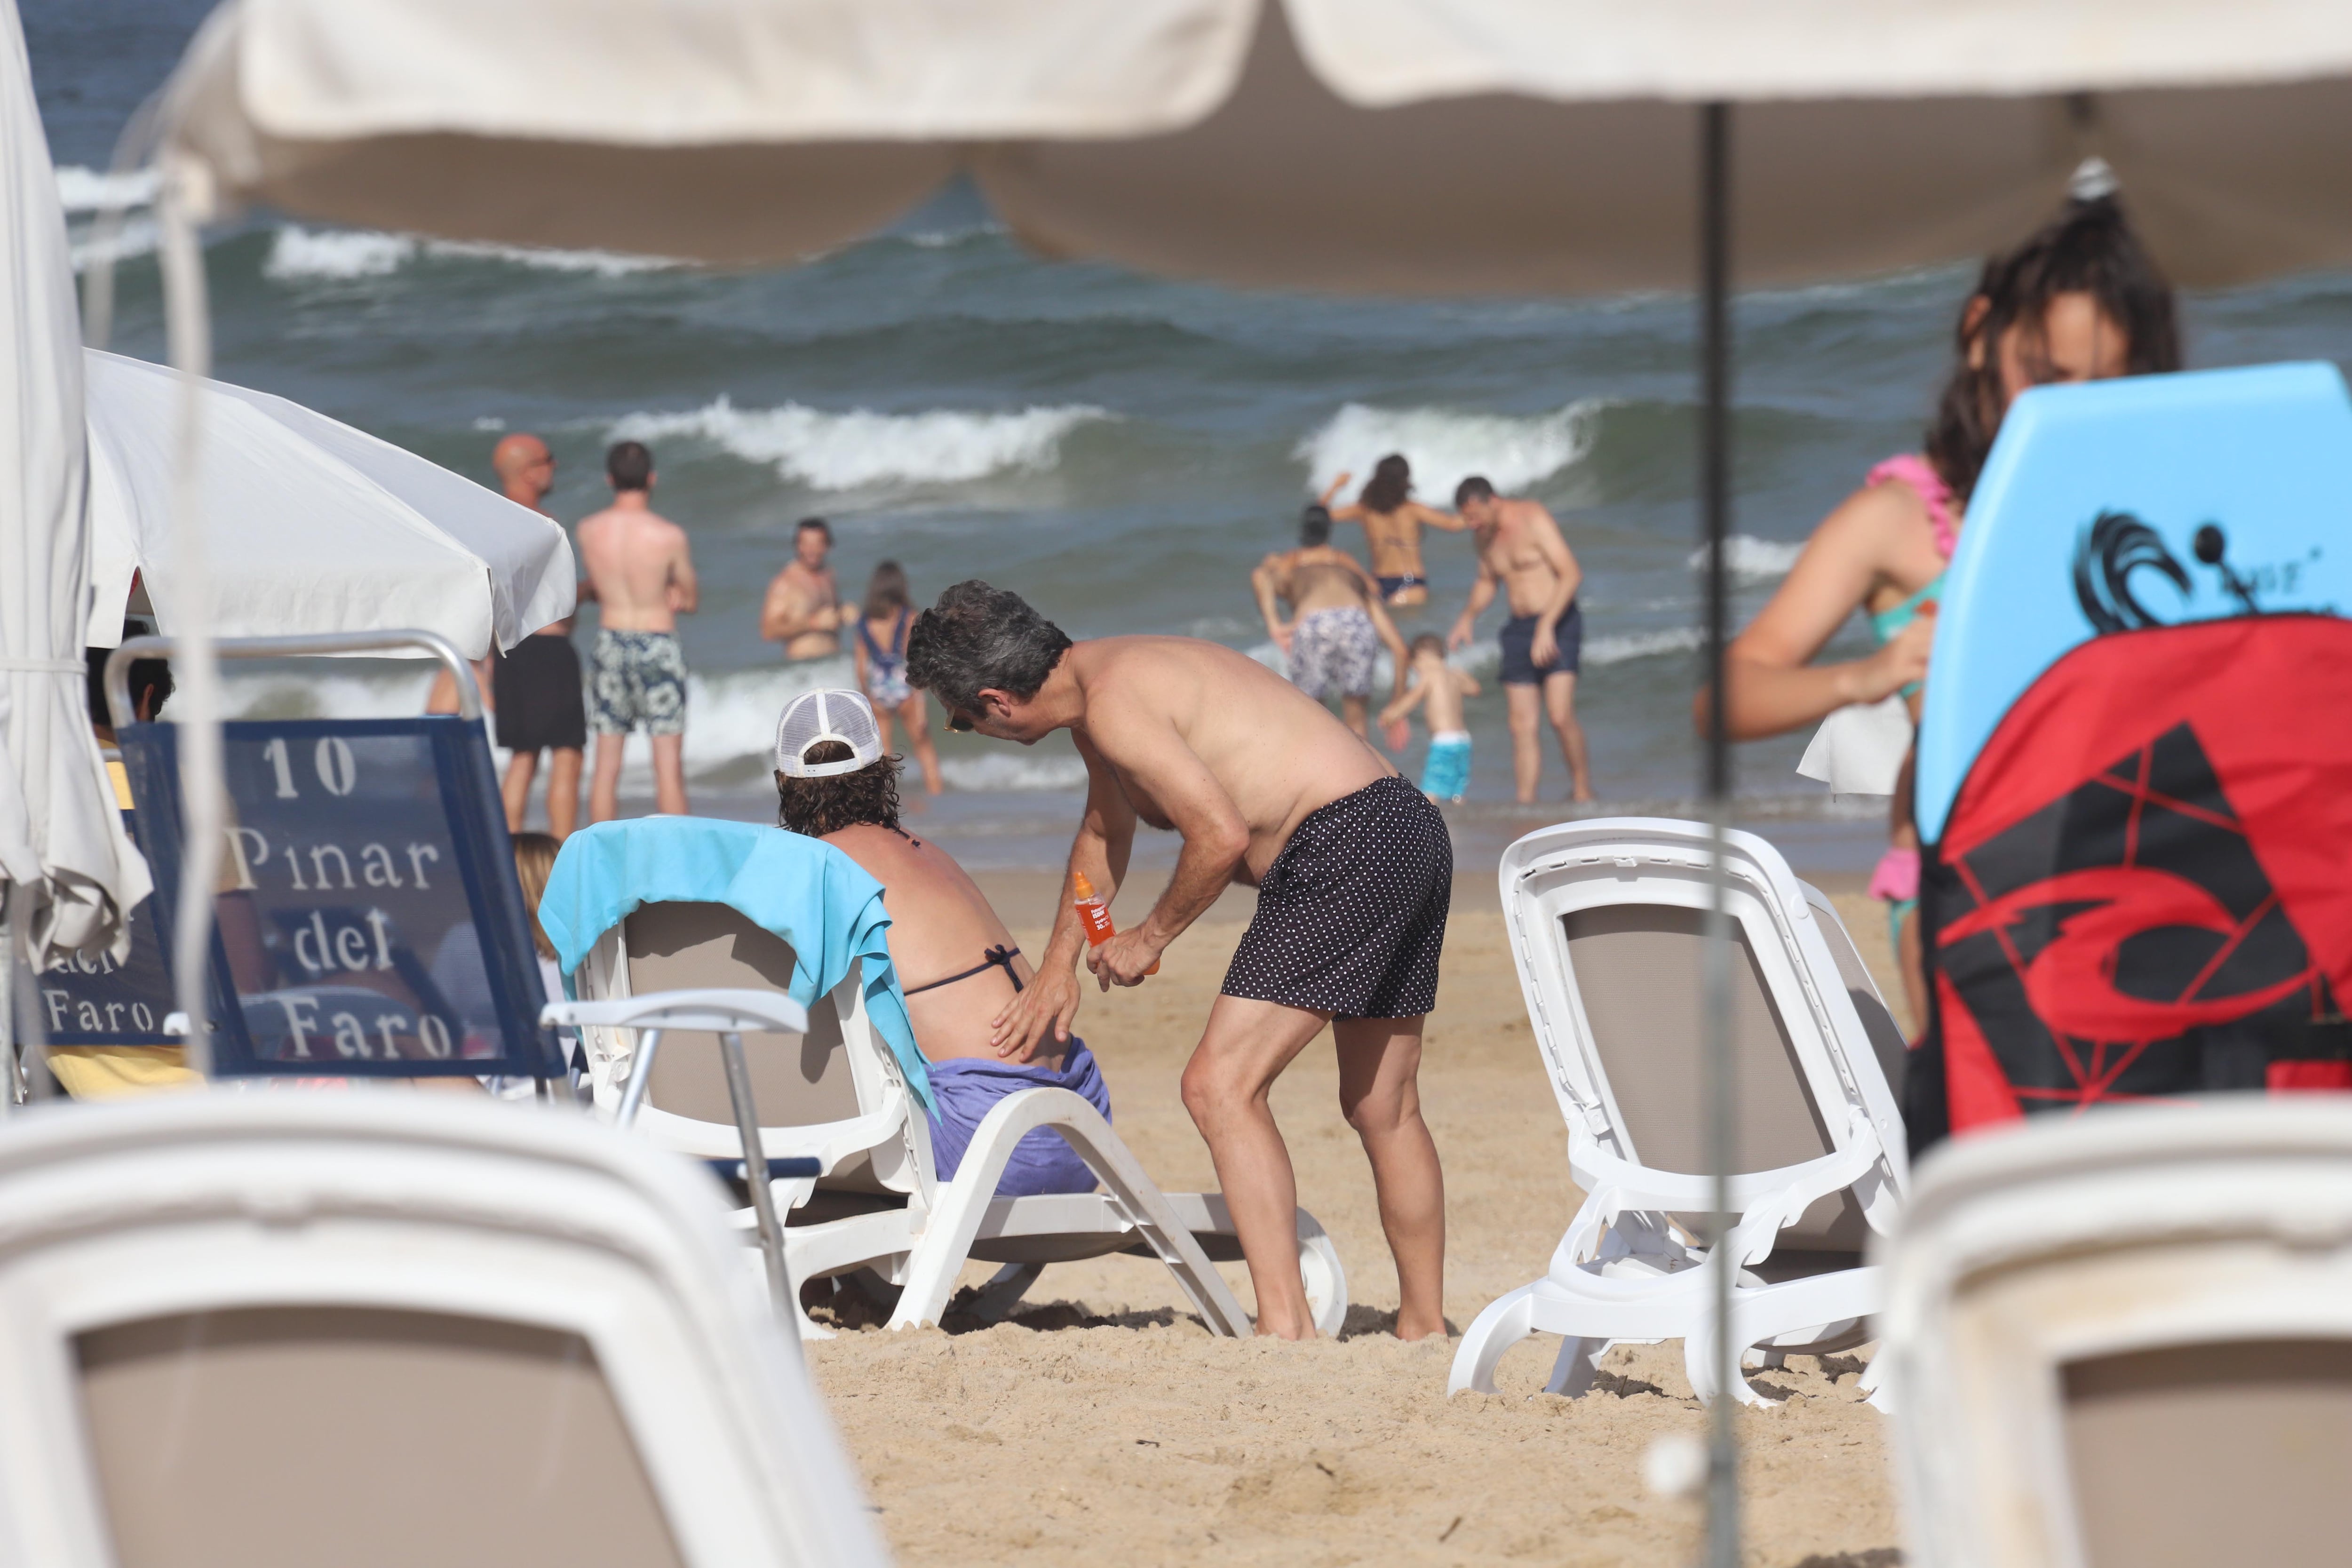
x=2120 y=504
x=368 y=920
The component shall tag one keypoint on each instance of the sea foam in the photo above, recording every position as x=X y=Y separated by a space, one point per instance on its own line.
x=297 y=253
x=1446 y=446
x=1754 y=560
x=82 y=190
x=841 y=451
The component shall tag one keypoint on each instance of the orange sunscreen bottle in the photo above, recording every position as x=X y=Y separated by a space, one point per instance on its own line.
x=1095 y=915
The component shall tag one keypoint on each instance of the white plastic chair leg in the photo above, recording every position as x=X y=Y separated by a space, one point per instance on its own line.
x=1578 y=1362
x=1003 y=1292
x=962 y=1203
x=1326 y=1281
x=1507 y=1320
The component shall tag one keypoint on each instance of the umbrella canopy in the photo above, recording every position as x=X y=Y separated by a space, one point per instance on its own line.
x=311 y=526
x=72 y=874
x=1534 y=146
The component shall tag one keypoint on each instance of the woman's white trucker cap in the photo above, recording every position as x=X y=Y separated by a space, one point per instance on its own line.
x=833 y=715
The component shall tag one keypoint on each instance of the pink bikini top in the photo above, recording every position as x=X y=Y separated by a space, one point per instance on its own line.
x=1915 y=471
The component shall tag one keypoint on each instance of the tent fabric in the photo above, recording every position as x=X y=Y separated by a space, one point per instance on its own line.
x=311 y=526
x=1493 y=146
x=62 y=838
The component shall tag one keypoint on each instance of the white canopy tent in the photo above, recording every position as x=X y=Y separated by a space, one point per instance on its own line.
x=1422 y=146
x=69 y=873
x=312 y=526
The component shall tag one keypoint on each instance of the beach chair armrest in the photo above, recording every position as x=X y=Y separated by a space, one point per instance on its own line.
x=717 y=1011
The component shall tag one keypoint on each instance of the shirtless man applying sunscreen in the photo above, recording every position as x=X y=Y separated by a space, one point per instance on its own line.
x=643 y=572
x=1354 y=873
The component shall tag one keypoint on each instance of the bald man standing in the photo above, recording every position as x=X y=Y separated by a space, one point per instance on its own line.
x=536 y=687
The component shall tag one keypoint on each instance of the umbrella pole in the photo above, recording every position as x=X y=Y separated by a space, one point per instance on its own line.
x=1715 y=507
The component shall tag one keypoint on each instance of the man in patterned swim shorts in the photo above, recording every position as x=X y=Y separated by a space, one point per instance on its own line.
x=1354 y=873
x=1338 y=622
x=641 y=575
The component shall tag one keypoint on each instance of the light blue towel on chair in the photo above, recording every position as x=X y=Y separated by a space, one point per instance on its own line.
x=801 y=889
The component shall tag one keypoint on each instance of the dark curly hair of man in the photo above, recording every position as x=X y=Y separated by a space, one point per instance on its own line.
x=979 y=638
x=819 y=806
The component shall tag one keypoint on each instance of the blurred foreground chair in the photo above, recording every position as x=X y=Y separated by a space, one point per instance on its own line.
x=841 y=1092
x=2125 y=1339
x=379 y=1330
x=1606 y=921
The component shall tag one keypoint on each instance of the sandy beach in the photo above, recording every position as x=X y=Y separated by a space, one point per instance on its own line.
x=1104 y=1424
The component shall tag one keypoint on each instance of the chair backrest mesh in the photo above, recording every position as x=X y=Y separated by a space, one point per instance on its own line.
x=298 y=1437
x=797 y=1080
x=2212 y=1453
x=1637 y=971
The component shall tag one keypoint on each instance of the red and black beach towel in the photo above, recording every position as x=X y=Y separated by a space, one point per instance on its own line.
x=2145 y=887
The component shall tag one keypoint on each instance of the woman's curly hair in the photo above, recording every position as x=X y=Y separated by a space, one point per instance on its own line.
x=823 y=806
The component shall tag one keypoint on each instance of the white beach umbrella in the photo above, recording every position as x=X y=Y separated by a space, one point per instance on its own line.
x=71 y=876
x=1445 y=146
x=311 y=526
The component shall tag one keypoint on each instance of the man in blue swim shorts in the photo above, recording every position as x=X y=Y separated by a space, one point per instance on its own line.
x=1520 y=548
x=641 y=575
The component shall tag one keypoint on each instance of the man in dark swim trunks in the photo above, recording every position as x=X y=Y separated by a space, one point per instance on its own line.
x=1354 y=873
x=1520 y=548
x=535 y=686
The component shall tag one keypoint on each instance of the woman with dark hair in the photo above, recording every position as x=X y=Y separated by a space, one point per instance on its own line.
x=2080 y=300
x=956 y=961
x=1392 y=522
x=881 y=651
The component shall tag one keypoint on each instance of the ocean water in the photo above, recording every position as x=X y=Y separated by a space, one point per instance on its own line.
x=1120 y=449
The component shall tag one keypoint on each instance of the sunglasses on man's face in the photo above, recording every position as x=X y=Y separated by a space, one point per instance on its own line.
x=961 y=723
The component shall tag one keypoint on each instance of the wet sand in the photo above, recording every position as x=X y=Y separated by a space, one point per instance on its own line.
x=1104 y=1425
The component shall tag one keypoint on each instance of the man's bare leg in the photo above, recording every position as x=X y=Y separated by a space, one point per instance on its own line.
x=516 y=787
x=1246 y=1046
x=1379 y=1094
x=1524 y=705
x=605 y=789
x=669 y=774
x=1356 y=711
x=564 y=791
x=1559 y=698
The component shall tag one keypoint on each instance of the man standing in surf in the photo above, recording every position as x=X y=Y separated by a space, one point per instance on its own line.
x=1354 y=873
x=1521 y=549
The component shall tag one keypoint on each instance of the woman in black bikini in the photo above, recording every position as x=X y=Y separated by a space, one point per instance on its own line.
x=834 y=782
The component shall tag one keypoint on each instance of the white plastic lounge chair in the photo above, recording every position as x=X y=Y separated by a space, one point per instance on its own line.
x=383 y=1329
x=1604 y=919
x=837 y=1094
x=2125 y=1339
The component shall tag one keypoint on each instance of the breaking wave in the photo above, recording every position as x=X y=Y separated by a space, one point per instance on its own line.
x=82 y=190
x=831 y=451
x=296 y=253
x=1642 y=645
x=1754 y=560
x=1445 y=446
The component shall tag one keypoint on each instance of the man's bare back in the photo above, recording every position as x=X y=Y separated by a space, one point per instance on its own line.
x=1321 y=578
x=1275 y=753
x=640 y=564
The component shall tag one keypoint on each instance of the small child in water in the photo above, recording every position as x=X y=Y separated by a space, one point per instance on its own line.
x=1437 y=690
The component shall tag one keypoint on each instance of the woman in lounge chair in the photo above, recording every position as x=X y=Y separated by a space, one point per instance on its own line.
x=956 y=960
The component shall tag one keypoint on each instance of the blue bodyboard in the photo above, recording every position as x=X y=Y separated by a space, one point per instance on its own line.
x=2119 y=504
